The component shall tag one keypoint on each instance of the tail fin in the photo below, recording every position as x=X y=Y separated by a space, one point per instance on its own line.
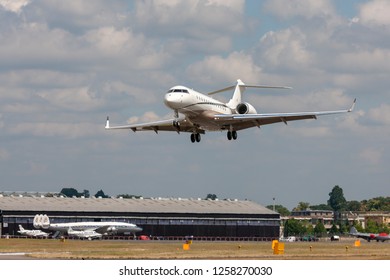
x=41 y=221
x=36 y=222
x=239 y=89
x=353 y=230
x=21 y=228
x=237 y=95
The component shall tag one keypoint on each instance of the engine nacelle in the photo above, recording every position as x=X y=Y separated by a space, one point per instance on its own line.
x=245 y=108
x=111 y=229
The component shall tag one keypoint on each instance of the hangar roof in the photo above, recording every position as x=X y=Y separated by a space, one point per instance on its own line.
x=146 y=205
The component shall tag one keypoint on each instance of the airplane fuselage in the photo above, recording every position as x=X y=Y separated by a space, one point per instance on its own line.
x=198 y=108
x=117 y=227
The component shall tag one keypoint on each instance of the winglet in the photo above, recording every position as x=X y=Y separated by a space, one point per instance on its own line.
x=107 y=123
x=353 y=106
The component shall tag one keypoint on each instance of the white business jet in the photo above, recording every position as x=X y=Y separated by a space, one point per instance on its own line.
x=197 y=113
x=84 y=234
x=32 y=232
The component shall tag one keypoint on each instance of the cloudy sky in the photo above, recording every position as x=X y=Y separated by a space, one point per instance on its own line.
x=66 y=65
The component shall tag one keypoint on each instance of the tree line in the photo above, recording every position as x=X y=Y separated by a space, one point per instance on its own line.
x=338 y=204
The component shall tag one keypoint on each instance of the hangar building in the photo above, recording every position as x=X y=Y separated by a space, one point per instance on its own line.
x=159 y=217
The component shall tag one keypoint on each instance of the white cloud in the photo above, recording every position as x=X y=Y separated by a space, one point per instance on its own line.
x=4 y=155
x=110 y=40
x=194 y=26
x=364 y=61
x=216 y=68
x=286 y=49
x=375 y=13
x=15 y=6
x=381 y=114
x=182 y=14
x=57 y=129
x=302 y=8
x=372 y=156
x=78 y=99
x=146 y=117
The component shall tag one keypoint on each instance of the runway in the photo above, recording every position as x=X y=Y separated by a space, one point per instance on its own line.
x=15 y=256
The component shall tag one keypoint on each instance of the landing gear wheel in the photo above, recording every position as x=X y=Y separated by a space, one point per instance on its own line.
x=232 y=135
x=195 y=137
x=229 y=135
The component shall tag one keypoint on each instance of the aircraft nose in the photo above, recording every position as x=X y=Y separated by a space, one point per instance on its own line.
x=137 y=229
x=172 y=100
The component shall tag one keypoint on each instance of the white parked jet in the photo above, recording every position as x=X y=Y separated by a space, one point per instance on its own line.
x=84 y=234
x=197 y=113
x=32 y=232
x=43 y=221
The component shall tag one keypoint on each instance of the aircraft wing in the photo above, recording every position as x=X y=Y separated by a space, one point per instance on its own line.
x=163 y=125
x=240 y=122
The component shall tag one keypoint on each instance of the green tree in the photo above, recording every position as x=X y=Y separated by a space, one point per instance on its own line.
x=211 y=196
x=283 y=211
x=334 y=229
x=343 y=228
x=319 y=229
x=372 y=226
x=336 y=199
x=101 y=194
x=321 y=207
x=353 y=206
x=302 y=206
x=86 y=194
x=293 y=227
x=69 y=192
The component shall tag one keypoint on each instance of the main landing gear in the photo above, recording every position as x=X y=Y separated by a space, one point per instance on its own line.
x=232 y=135
x=195 y=137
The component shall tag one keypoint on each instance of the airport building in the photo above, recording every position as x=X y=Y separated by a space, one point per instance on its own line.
x=159 y=217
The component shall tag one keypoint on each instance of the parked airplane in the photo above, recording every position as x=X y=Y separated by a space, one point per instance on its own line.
x=197 y=113
x=84 y=234
x=43 y=221
x=370 y=236
x=33 y=232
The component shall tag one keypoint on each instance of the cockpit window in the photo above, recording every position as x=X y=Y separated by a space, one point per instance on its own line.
x=178 y=90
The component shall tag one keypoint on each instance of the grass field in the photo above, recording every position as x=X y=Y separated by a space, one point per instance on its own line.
x=80 y=249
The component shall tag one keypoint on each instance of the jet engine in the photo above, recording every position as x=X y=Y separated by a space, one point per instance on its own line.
x=111 y=229
x=245 y=108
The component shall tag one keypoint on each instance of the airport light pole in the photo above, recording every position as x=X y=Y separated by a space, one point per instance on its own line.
x=273 y=206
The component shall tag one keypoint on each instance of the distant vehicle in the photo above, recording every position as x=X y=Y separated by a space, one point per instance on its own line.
x=84 y=234
x=33 y=232
x=197 y=113
x=370 y=236
x=144 y=237
x=335 y=238
x=309 y=238
x=105 y=228
x=288 y=239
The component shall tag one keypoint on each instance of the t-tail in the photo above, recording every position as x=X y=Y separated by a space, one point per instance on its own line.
x=239 y=89
x=353 y=230
x=237 y=95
